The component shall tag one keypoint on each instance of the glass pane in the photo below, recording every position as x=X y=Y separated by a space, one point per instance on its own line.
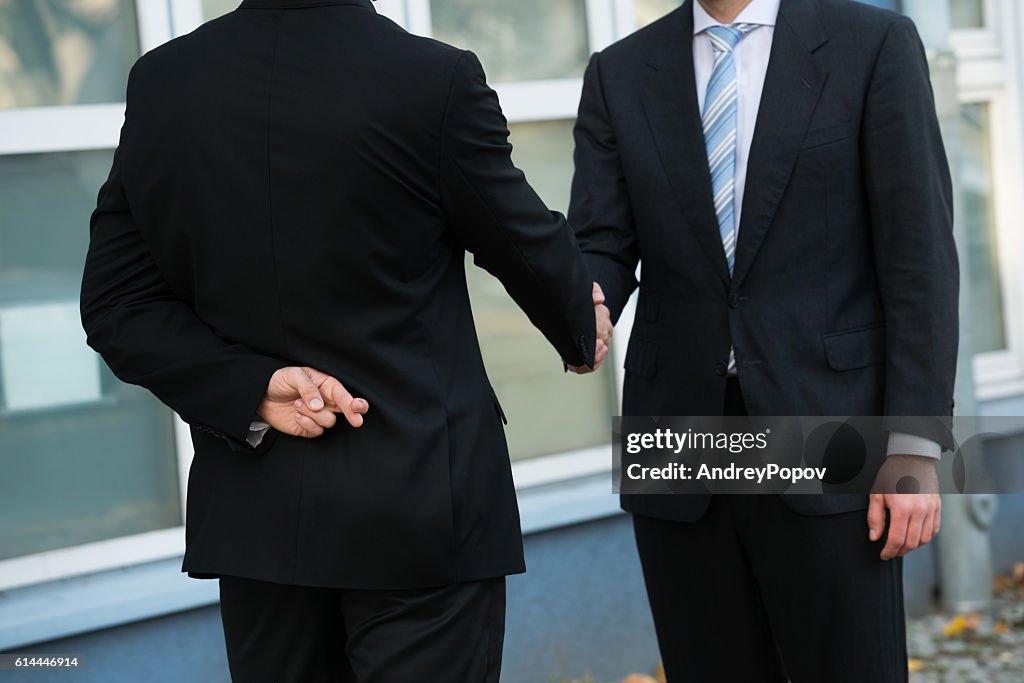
x=548 y=411
x=214 y=8
x=517 y=41
x=650 y=10
x=64 y=52
x=83 y=457
x=987 y=304
x=967 y=13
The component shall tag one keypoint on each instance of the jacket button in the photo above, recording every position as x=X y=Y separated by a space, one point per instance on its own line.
x=734 y=301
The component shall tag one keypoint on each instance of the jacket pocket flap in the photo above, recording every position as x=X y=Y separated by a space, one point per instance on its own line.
x=858 y=348
x=826 y=135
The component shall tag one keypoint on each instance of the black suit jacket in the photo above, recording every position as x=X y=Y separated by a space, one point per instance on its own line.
x=844 y=296
x=299 y=185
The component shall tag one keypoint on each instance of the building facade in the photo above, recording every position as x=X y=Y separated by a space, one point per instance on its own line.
x=93 y=472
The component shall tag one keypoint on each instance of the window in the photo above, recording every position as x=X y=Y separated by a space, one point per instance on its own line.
x=215 y=8
x=85 y=458
x=526 y=40
x=977 y=195
x=65 y=53
x=967 y=14
x=91 y=471
x=988 y=161
x=648 y=11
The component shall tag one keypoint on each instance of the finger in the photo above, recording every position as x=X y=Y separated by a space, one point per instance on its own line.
x=937 y=523
x=915 y=528
x=899 y=520
x=309 y=392
x=324 y=418
x=605 y=329
x=928 y=526
x=318 y=376
x=598 y=294
x=352 y=408
x=310 y=429
x=876 y=517
x=600 y=354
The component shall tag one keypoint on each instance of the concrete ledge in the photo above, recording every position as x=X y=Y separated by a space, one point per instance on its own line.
x=80 y=604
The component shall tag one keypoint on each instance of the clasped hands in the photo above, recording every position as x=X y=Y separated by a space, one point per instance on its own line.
x=603 y=321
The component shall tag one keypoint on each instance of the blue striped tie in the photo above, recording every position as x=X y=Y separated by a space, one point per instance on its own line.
x=719 y=118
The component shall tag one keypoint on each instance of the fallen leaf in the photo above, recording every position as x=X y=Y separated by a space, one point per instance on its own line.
x=638 y=678
x=955 y=627
x=1018 y=572
x=1001 y=628
x=915 y=665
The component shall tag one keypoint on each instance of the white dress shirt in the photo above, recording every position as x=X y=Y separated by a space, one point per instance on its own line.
x=751 y=56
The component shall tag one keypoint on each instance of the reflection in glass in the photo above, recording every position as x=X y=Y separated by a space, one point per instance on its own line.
x=87 y=458
x=987 y=307
x=65 y=52
x=517 y=41
x=648 y=11
x=215 y=8
x=548 y=410
x=967 y=13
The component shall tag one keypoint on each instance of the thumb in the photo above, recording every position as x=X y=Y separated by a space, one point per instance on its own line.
x=308 y=390
x=876 y=516
x=598 y=294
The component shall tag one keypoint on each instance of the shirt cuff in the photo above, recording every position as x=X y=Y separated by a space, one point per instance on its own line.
x=908 y=444
x=257 y=430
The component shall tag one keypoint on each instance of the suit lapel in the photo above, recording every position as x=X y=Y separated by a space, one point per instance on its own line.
x=670 y=103
x=792 y=87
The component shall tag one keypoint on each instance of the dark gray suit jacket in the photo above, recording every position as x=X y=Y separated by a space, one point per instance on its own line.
x=844 y=295
x=298 y=183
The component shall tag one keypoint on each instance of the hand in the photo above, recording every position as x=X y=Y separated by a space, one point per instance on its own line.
x=603 y=322
x=303 y=402
x=907 y=486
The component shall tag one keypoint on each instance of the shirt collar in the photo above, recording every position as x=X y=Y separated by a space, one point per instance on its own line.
x=761 y=12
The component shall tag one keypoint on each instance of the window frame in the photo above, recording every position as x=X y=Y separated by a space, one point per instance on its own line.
x=989 y=71
x=73 y=128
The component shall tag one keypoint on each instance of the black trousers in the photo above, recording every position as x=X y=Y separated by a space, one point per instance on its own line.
x=756 y=593
x=283 y=634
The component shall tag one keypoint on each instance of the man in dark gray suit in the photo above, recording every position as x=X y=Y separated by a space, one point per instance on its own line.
x=297 y=184
x=777 y=168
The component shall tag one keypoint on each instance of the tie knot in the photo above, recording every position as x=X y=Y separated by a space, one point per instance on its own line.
x=726 y=38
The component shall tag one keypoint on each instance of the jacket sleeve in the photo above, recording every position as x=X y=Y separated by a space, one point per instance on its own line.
x=150 y=337
x=600 y=210
x=910 y=198
x=496 y=216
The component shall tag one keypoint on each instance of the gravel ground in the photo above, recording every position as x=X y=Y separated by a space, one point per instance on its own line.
x=972 y=648
x=954 y=648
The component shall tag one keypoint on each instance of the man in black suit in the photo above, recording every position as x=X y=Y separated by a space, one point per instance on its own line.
x=295 y=189
x=777 y=168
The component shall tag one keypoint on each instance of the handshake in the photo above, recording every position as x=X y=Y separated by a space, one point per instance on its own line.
x=603 y=320
x=304 y=402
